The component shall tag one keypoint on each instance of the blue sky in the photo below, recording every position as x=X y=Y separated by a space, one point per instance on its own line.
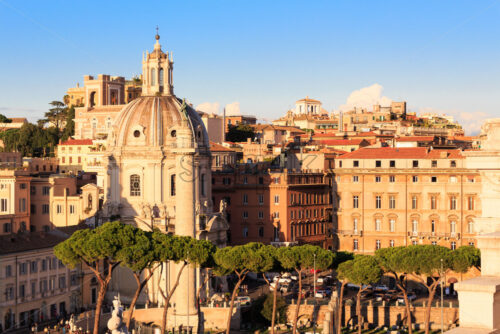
x=263 y=55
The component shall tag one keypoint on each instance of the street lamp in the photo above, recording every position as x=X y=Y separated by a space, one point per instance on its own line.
x=442 y=311
x=314 y=282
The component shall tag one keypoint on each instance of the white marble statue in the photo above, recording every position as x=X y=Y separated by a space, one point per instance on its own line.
x=115 y=324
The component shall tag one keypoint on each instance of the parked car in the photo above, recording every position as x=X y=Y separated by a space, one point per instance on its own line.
x=320 y=294
x=411 y=297
x=380 y=288
x=284 y=280
x=243 y=301
x=294 y=277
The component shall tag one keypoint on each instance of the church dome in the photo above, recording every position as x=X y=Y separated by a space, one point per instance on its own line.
x=155 y=121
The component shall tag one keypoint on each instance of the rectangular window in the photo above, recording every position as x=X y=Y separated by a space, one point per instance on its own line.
x=8 y=270
x=172 y=185
x=245 y=199
x=59 y=209
x=453 y=245
x=453 y=203
x=415 y=178
x=355 y=163
x=355 y=202
x=3 y=205
x=453 y=179
x=44 y=265
x=23 y=268
x=415 y=163
x=202 y=185
x=391 y=243
x=355 y=244
x=392 y=202
x=378 y=163
x=71 y=209
x=46 y=191
x=434 y=163
x=277 y=214
x=434 y=179
x=33 y=189
x=245 y=214
x=470 y=203
x=261 y=215
x=22 y=204
x=392 y=163
x=392 y=179
x=378 y=179
x=261 y=231
x=62 y=282
x=45 y=209
x=392 y=225
x=276 y=199
x=453 y=164
x=377 y=244
x=414 y=202
x=261 y=199
x=22 y=290
x=414 y=226
x=378 y=202
x=433 y=202
x=355 y=178
x=34 y=267
x=355 y=225
x=33 y=209
x=378 y=224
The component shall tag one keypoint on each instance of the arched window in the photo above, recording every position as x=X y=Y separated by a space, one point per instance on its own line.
x=202 y=180
x=89 y=201
x=172 y=185
x=160 y=78
x=92 y=99
x=135 y=185
x=453 y=227
x=153 y=77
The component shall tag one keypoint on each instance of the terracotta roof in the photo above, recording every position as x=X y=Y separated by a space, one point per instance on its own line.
x=401 y=153
x=77 y=142
x=307 y=99
x=23 y=242
x=339 y=142
x=415 y=138
x=214 y=147
x=19 y=120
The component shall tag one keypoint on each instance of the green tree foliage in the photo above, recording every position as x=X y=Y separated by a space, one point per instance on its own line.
x=30 y=140
x=466 y=257
x=240 y=260
x=69 y=128
x=271 y=307
x=362 y=270
x=100 y=250
x=239 y=133
x=56 y=114
x=4 y=119
x=302 y=259
x=391 y=260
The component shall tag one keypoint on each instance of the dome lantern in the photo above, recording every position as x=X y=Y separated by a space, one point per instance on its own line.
x=157 y=68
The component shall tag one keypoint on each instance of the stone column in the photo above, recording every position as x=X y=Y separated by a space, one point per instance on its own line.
x=185 y=312
x=479 y=298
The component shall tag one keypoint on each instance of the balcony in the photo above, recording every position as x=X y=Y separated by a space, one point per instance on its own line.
x=350 y=232
x=434 y=235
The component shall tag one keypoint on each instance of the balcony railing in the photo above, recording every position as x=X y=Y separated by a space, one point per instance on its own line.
x=350 y=232
x=449 y=235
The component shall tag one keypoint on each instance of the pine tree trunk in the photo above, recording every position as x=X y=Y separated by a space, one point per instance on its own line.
x=407 y=305
x=140 y=286
x=341 y=302
x=167 y=299
x=299 y=299
x=358 y=310
x=432 y=291
x=198 y=305
x=241 y=277
x=100 y=299
x=273 y=317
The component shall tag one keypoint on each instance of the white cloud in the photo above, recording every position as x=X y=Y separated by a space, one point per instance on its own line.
x=233 y=109
x=209 y=107
x=365 y=98
x=471 y=121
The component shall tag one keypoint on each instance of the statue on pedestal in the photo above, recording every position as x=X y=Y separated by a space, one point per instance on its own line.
x=115 y=324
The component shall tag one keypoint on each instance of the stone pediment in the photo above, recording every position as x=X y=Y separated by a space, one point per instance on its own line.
x=216 y=223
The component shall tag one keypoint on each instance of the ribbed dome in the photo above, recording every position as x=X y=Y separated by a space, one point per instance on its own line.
x=154 y=121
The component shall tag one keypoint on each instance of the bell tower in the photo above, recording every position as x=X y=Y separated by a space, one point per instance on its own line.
x=157 y=68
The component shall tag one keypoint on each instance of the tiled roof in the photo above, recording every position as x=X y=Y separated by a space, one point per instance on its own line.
x=23 y=242
x=214 y=147
x=19 y=120
x=402 y=153
x=339 y=142
x=307 y=99
x=77 y=142
x=415 y=138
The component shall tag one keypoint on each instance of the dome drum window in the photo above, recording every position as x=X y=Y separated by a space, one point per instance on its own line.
x=137 y=133
x=135 y=185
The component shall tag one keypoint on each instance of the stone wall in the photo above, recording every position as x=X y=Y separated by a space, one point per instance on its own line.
x=377 y=315
x=214 y=317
